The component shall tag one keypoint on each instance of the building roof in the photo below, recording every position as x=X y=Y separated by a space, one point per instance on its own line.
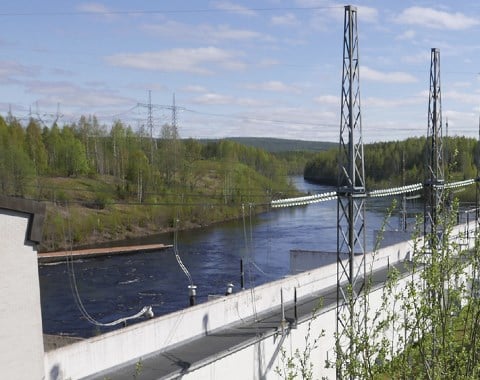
x=34 y=209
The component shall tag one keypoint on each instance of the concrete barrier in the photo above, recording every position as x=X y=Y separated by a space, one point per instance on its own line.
x=122 y=346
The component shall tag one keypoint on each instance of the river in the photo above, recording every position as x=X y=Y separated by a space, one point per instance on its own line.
x=119 y=286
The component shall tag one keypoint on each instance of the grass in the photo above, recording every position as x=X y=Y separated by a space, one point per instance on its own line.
x=86 y=211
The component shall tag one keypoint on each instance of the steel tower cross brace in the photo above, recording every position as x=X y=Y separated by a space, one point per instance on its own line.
x=350 y=201
x=434 y=174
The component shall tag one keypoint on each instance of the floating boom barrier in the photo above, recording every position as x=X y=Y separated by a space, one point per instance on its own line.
x=395 y=190
x=322 y=197
x=455 y=185
x=306 y=200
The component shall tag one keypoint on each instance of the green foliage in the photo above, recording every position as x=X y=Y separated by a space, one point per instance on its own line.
x=275 y=145
x=385 y=162
x=138 y=369
x=35 y=147
x=100 y=174
x=299 y=365
x=16 y=167
x=295 y=161
x=433 y=311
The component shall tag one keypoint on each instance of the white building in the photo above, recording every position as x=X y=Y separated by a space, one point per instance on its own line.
x=21 y=341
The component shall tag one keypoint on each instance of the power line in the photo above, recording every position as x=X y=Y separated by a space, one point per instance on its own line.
x=168 y=11
x=257 y=119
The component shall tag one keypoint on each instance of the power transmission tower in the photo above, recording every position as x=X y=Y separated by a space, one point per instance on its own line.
x=403 y=210
x=174 y=116
x=150 y=125
x=52 y=116
x=175 y=136
x=477 y=181
x=351 y=201
x=434 y=173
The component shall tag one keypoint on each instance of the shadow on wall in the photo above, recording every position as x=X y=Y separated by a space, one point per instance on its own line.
x=56 y=373
x=205 y=323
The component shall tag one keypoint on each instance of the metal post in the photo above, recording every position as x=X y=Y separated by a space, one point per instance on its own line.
x=192 y=294
x=242 y=275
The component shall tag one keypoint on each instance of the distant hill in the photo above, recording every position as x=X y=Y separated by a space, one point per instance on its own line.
x=275 y=145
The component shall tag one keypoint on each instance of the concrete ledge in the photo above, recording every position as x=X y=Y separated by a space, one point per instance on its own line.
x=120 y=349
x=35 y=209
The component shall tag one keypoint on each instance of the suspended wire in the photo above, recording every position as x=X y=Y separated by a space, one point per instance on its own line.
x=167 y=11
x=255 y=265
x=145 y=311
x=257 y=119
x=177 y=255
x=248 y=255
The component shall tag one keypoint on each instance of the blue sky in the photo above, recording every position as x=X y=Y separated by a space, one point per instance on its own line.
x=269 y=68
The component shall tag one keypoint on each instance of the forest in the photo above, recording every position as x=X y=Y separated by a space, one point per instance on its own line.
x=110 y=182
x=103 y=183
x=395 y=163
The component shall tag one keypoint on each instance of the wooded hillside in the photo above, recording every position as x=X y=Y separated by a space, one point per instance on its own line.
x=111 y=182
x=390 y=164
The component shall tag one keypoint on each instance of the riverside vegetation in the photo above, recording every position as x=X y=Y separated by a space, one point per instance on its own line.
x=102 y=183
x=395 y=163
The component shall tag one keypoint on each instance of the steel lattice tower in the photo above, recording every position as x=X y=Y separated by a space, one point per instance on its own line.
x=351 y=199
x=477 y=181
x=434 y=173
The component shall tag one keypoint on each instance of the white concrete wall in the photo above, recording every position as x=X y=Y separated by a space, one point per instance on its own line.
x=254 y=362
x=21 y=340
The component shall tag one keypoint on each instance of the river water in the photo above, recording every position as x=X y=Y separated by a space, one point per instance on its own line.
x=118 y=286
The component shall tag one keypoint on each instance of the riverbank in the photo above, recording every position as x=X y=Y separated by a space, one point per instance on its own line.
x=51 y=257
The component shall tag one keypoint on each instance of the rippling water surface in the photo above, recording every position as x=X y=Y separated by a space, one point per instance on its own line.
x=119 y=286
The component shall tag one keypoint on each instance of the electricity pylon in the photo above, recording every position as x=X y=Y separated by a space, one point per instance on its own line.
x=434 y=174
x=351 y=201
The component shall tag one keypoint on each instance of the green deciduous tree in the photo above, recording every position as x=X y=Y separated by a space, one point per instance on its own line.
x=36 y=148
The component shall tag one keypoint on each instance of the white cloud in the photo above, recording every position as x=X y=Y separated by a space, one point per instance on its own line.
x=233 y=8
x=10 y=69
x=462 y=84
x=150 y=86
x=420 y=57
x=73 y=95
x=407 y=35
x=432 y=18
x=288 y=19
x=97 y=9
x=372 y=102
x=93 y=8
x=253 y=102
x=386 y=77
x=213 y=99
x=204 y=33
x=196 y=61
x=268 y=62
x=273 y=85
x=367 y=14
x=327 y=100
x=194 y=88
x=461 y=123
x=463 y=97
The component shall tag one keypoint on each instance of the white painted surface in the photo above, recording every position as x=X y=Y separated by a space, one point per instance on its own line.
x=257 y=361
x=21 y=339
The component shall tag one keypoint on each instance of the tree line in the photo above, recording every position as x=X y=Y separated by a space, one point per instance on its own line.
x=399 y=162
x=101 y=175
x=133 y=158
